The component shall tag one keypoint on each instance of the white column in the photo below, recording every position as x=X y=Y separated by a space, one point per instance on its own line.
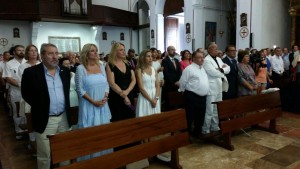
x=34 y=33
x=188 y=18
x=153 y=21
x=141 y=32
x=160 y=33
x=199 y=26
x=98 y=35
x=243 y=6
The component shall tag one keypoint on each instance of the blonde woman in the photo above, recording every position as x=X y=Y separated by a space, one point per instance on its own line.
x=147 y=80
x=92 y=89
x=121 y=79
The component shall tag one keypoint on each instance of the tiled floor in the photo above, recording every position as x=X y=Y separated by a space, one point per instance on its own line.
x=257 y=150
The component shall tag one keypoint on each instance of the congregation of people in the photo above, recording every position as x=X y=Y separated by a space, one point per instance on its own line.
x=60 y=93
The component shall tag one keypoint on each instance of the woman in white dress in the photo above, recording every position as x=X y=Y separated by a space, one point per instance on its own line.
x=32 y=57
x=148 y=100
x=156 y=64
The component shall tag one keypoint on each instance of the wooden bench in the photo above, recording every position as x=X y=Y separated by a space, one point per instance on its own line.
x=176 y=100
x=248 y=111
x=168 y=128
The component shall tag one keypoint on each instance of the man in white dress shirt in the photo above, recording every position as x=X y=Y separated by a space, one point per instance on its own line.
x=194 y=84
x=216 y=70
x=277 y=67
x=10 y=73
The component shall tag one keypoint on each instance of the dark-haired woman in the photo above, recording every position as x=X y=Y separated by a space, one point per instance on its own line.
x=246 y=75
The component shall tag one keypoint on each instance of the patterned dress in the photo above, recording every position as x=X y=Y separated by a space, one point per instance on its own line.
x=246 y=73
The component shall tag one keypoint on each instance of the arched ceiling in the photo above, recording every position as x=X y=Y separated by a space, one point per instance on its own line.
x=173 y=7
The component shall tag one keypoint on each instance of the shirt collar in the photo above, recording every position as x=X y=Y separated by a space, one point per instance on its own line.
x=197 y=66
x=46 y=69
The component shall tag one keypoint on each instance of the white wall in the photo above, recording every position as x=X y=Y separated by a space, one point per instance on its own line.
x=209 y=11
x=84 y=31
x=243 y=6
x=113 y=34
x=46 y=29
x=270 y=23
x=124 y=5
x=6 y=31
x=275 y=24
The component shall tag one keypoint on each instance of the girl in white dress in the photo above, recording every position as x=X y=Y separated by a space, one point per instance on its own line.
x=147 y=80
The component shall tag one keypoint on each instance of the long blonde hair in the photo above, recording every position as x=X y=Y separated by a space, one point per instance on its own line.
x=85 y=52
x=141 y=61
x=113 y=53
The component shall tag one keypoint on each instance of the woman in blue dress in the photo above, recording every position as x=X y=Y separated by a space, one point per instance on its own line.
x=92 y=89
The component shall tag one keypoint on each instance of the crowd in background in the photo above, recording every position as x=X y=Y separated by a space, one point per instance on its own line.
x=59 y=93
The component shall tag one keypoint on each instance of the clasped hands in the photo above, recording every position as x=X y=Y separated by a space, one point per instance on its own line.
x=100 y=103
x=124 y=94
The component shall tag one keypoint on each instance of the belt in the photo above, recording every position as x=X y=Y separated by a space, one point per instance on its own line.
x=56 y=115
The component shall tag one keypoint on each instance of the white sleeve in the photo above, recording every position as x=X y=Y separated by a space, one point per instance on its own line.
x=184 y=80
x=7 y=71
x=79 y=81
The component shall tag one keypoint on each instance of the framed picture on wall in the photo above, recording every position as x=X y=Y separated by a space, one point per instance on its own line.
x=65 y=44
x=122 y=36
x=210 y=33
x=104 y=36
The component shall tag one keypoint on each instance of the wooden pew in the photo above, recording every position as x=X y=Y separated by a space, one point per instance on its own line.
x=243 y=112
x=168 y=128
x=176 y=100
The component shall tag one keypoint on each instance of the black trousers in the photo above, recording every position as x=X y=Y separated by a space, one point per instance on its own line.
x=195 y=111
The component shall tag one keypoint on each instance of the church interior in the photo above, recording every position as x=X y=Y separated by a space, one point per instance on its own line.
x=143 y=24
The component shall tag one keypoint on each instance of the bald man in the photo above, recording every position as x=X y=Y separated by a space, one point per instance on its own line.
x=216 y=70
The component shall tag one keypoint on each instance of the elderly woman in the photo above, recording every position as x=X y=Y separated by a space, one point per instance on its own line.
x=246 y=75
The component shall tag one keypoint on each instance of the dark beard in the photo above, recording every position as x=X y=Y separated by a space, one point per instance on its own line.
x=21 y=55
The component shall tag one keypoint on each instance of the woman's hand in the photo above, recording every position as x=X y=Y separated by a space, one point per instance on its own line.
x=161 y=82
x=100 y=103
x=127 y=101
x=270 y=81
x=124 y=93
x=153 y=102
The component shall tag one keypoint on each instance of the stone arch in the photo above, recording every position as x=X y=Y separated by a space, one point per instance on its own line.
x=135 y=3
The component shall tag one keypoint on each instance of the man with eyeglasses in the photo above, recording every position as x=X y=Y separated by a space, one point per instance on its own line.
x=232 y=76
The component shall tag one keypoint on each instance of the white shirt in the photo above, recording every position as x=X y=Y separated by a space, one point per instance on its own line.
x=1 y=66
x=11 y=70
x=194 y=79
x=286 y=61
x=21 y=69
x=277 y=64
x=156 y=65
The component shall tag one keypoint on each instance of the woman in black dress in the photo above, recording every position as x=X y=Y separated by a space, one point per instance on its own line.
x=121 y=80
